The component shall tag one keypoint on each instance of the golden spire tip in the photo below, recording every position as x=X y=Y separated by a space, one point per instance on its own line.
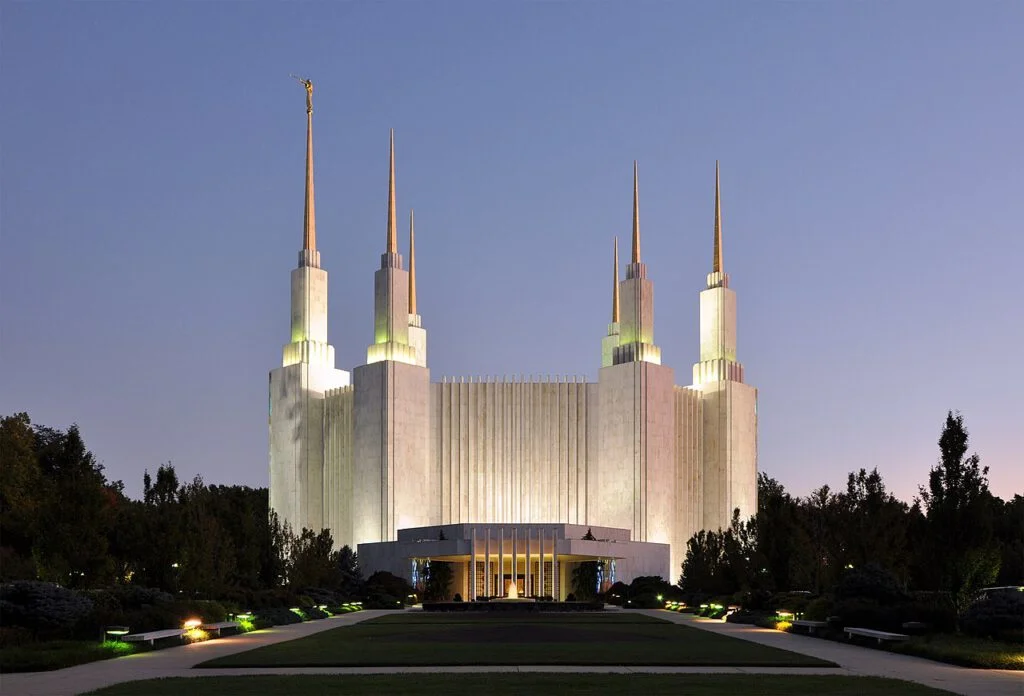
x=716 y=261
x=636 y=215
x=392 y=242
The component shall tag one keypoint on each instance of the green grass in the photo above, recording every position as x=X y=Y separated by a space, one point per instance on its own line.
x=537 y=639
x=57 y=654
x=522 y=683
x=965 y=651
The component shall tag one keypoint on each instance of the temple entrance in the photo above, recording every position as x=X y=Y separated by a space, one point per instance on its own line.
x=506 y=580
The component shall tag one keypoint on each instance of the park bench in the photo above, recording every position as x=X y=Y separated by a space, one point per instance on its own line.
x=219 y=626
x=152 y=636
x=811 y=626
x=880 y=636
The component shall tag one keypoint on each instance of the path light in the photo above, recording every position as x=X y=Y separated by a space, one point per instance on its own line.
x=115 y=631
x=193 y=632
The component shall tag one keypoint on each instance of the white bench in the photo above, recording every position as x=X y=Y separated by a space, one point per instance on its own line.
x=880 y=636
x=811 y=626
x=153 y=636
x=219 y=626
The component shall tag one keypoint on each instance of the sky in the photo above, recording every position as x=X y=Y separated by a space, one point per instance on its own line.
x=151 y=193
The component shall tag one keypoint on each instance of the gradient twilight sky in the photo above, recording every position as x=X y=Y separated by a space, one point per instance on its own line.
x=872 y=187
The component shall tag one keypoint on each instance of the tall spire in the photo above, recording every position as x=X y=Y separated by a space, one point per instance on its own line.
x=636 y=216
x=392 y=213
x=615 y=284
x=309 y=220
x=412 y=264
x=716 y=261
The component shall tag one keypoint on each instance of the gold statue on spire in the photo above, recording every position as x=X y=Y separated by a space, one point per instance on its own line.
x=308 y=84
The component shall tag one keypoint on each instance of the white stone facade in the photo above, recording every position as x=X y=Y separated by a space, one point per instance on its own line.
x=391 y=450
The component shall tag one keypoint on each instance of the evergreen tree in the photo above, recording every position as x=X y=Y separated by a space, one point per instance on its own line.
x=20 y=499
x=439 y=580
x=584 y=580
x=75 y=514
x=959 y=510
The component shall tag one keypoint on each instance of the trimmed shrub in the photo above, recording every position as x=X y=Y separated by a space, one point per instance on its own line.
x=1000 y=615
x=313 y=613
x=868 y=613
x=44 y=608
x=135 y=597
x=871 y=582
x=819 y=609
x=277 y=616
x=647 y=600
x=379 y=600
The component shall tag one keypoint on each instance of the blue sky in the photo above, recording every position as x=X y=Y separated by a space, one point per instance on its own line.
x=873 y=206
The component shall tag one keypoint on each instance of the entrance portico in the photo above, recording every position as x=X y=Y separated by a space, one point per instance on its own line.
x=538 y=558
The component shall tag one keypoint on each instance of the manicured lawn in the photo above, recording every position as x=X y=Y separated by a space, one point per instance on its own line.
x=528 y=639
x=522 y=683
x=57 y=654
x=965 y=651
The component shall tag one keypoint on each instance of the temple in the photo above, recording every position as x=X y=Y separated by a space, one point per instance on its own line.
x=513 y=480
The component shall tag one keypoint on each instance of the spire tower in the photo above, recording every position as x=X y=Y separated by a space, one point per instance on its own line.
x=636 y=324
x=636 y=215
x=392 y=285
x=309 y=255
x=412 y=263
x=611 y=340
x=716 y=262
x=615 y=282
x=392 y=212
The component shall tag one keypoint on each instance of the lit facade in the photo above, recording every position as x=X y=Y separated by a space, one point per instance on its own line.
x=384 y=449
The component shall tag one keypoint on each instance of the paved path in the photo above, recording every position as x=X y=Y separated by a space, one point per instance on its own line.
x=867 y=661
x=178 y=662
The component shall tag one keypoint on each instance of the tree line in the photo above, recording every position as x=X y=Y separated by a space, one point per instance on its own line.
x=63 y=521
x=953 y=539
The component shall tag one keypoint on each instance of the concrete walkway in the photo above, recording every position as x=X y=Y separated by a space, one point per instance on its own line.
x=866 y=661
x=178 y=662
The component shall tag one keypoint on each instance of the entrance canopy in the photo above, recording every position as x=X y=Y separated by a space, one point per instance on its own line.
x=537 y=558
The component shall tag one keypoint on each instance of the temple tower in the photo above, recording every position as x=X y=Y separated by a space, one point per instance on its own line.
x=297 y=388
x=634 y=487
x=729 y=405
x=392 y=483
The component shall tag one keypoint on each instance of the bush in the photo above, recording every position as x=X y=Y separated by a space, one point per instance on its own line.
x=617 y=594
x=819 y=609
x=277 y=616
x=871 y=582
x=207 y=610
x=44 y=608
x=313 y=613
x=457 y=597
x=135 y=597
x=646 y=601
x=795 y=602
x=867 y=613
x=999 y=616
x=378 y=600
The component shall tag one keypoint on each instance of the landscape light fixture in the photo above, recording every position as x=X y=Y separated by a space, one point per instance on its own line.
x=115 y=631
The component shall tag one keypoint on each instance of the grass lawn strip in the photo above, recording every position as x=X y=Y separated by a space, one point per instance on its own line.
x=522 y=683
x=423 y=639
x=57 y=654
x=965 y=651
